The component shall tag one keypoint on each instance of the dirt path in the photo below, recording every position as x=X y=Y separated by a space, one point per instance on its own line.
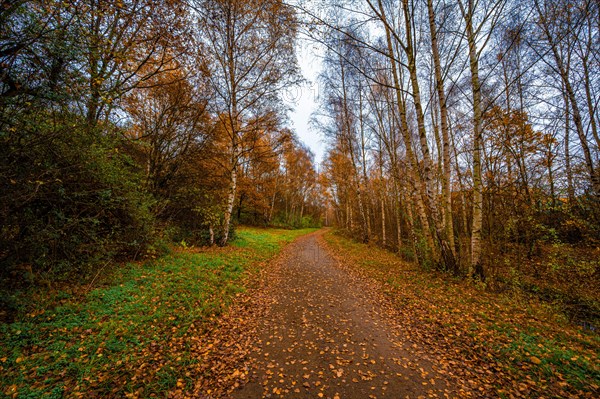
x=325 y=336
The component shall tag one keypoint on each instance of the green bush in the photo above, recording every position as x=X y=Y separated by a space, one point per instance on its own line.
x=71 y=200
x=309 y=222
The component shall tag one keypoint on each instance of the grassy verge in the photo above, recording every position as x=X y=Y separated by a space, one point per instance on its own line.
x=505 y=346
x=131 y=337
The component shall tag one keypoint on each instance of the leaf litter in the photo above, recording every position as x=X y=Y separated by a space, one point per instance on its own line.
x=323 y=335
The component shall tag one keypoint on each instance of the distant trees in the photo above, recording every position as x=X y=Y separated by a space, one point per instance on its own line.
x=451 y=125
x=278 y=184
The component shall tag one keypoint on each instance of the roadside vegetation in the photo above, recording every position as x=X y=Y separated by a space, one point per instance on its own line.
x=135 y=332
x=510 y=343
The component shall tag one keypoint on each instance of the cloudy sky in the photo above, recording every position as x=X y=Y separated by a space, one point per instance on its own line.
x=304 y=99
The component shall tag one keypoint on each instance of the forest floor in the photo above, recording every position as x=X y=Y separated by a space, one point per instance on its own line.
x=293 y=315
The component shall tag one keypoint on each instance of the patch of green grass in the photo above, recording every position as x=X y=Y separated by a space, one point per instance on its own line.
x=262 y=239
x=555 y=358
x=110 y=338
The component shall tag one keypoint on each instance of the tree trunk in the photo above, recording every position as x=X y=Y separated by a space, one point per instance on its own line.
x=477 y=222
x=229 y=208
x=365 y=178
x=272 y=207
x=211 y=232
x=404 y=129
x=447 y=171
x=383 y=236
x=570 y=93
x=569 y=171
x=356 y=178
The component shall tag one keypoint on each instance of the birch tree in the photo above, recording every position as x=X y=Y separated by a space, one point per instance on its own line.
x=250 y=48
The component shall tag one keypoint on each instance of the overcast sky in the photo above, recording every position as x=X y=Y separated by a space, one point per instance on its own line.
x=304 y=99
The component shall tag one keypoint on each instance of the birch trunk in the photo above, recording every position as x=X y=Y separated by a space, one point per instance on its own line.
x=229 y=207
x=447 y=171
x=477 y=222
x=414 y=167
x=570 y=93
x=356 y=179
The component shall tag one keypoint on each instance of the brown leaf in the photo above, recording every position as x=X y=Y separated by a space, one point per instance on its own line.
x=535 y=360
